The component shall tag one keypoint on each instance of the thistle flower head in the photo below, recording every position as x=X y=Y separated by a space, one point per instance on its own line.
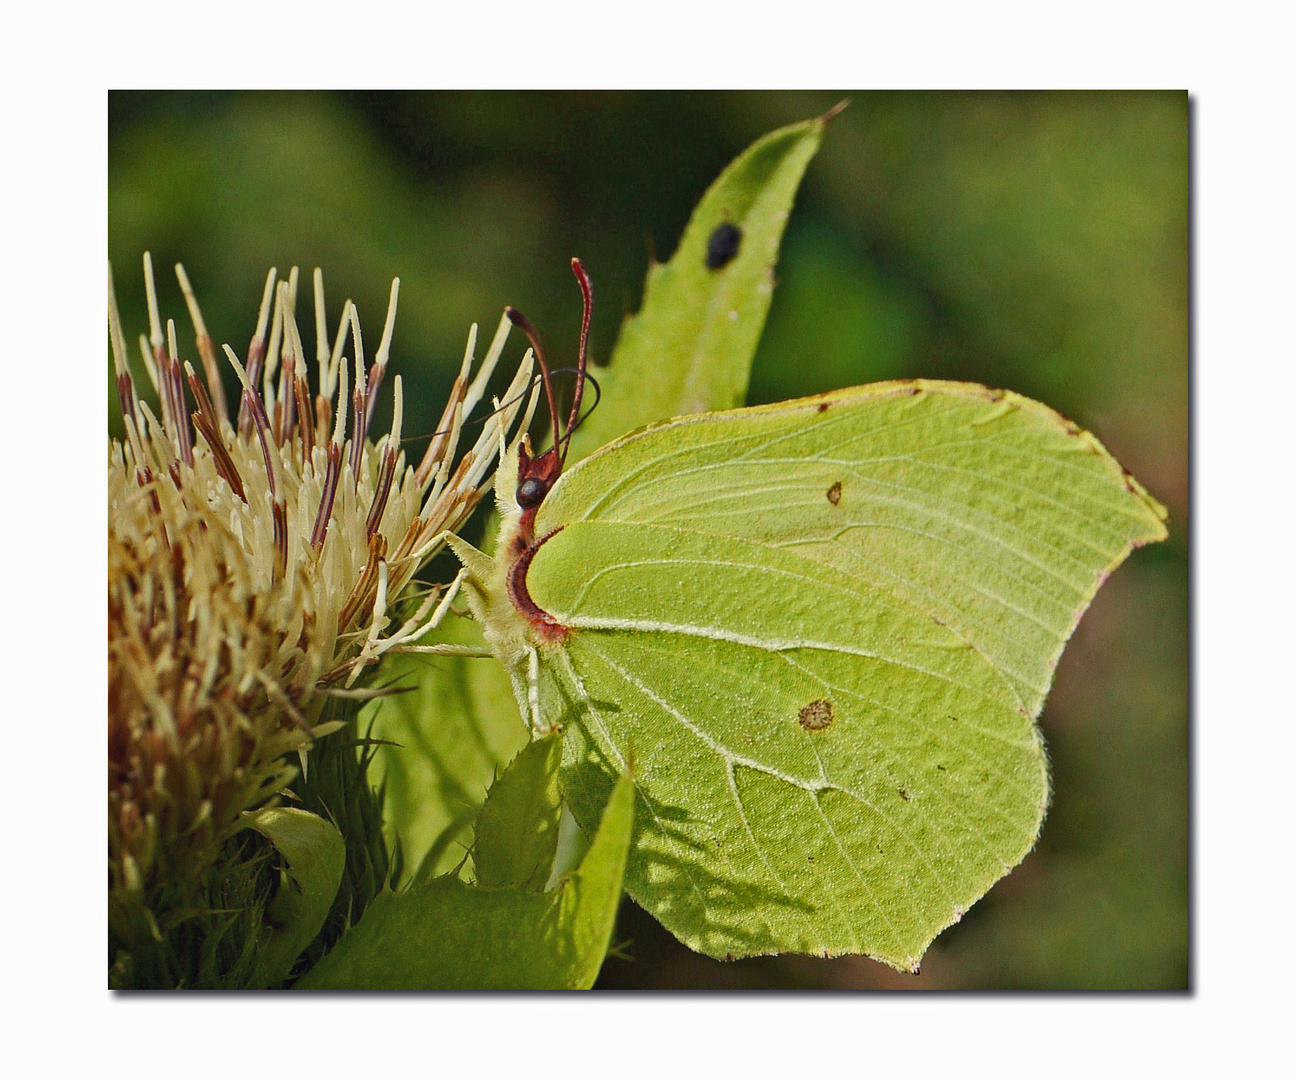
x=255 y=555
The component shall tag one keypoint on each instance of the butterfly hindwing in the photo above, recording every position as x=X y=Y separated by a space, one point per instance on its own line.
x=820 y=768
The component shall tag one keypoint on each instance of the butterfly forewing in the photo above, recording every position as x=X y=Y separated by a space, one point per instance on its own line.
x=988 y=511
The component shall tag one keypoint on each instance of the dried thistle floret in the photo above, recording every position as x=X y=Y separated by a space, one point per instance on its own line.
x=253 y=560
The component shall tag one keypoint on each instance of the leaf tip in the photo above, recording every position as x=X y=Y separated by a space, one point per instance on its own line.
x=835 y=111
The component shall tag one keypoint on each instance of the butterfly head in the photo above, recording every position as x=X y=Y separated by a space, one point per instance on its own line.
x=537 y=475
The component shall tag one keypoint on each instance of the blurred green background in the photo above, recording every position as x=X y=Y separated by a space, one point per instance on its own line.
x=1034 y=241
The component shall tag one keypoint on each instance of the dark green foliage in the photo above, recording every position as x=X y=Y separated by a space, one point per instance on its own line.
x=200 y=935
x=445 y=934
x=336 y=787
x=207 y=934
x=516 y=834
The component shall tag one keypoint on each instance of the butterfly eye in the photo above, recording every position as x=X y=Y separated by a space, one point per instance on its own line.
x=531 y=492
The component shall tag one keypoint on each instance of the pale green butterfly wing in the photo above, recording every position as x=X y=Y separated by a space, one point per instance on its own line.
x=985 y=509
x=820 y=768
x=822 y=634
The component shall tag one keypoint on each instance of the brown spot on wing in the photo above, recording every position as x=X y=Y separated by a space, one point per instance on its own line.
x=817 y=716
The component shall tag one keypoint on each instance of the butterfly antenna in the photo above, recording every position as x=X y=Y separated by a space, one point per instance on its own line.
x=598 y=396
x=524 y=324
x=587 y=295
x=502 y=407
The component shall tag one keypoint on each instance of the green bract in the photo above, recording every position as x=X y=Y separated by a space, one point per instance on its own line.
x=316 y=855
x=445 y=934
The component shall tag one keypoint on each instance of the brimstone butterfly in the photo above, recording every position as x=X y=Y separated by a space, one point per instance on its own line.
x=822 y=630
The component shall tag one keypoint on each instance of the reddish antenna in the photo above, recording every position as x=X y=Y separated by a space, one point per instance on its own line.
x=533 y=335
x=561 y=437
x=537 y=475
x=587 y=295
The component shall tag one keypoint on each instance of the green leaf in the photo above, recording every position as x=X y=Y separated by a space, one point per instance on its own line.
x=448 y=935
x=456 y=729
x=316 y=855
x=690 y=347
x=824 y=629
x=517 y=829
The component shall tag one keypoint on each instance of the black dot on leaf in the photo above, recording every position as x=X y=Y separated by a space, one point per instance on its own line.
x=723 y=245
x=834 y=493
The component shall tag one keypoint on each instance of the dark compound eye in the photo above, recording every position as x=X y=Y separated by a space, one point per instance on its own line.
x=531 y=492
x=723 y=245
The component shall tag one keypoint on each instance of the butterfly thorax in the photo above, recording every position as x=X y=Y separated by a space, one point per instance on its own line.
x=535 y=477
x=511 y=621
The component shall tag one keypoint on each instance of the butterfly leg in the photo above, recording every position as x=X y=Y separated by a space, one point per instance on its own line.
x=403 y=640
x=538 y=729
x=447 y=648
